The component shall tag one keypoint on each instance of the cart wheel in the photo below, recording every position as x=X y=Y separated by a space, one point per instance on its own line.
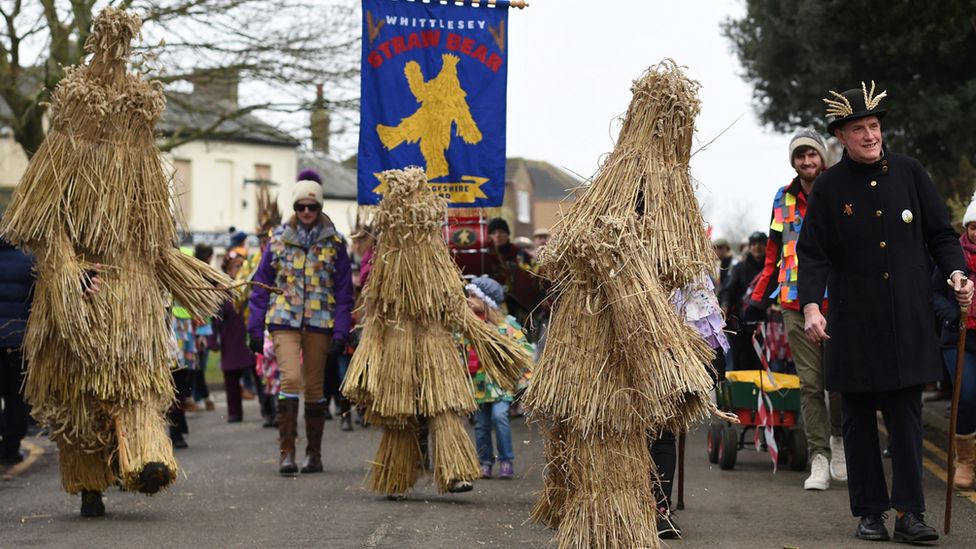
x=783 y=438
x=713 y=441
x=728 y=445
x=799 y=453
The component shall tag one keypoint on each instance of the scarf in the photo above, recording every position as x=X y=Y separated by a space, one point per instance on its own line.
x=969 y=252
x=307 y=237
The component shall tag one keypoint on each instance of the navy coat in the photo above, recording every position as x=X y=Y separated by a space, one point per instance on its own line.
x=870 y=236
x=16 y=285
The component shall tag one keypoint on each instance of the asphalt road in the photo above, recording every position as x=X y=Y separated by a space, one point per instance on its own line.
x=229 y=495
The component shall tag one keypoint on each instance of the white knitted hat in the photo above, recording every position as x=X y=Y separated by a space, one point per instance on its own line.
x=808 y=138
x=970 y=212
x=306 y=189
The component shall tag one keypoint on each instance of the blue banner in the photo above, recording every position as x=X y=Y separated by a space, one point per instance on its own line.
x=434 y=81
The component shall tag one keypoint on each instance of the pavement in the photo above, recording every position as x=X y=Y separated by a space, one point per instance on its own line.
x=230 y=495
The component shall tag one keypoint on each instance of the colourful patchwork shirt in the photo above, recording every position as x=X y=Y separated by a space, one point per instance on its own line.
x=789 y=208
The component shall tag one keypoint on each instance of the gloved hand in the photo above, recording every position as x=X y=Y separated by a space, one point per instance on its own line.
x=337 y=347
x=256 y=344
x=753 y=315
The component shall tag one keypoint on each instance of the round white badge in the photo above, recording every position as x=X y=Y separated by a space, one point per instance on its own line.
x=907 y=216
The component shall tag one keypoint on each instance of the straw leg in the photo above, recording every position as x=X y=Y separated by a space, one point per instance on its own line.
x=552 y=502
x=82 y=470
x=143 y=444
x=454 y=453
x=611 y=504
x=394 y=469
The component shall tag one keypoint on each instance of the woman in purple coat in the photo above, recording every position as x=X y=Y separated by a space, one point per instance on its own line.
x=231 y=333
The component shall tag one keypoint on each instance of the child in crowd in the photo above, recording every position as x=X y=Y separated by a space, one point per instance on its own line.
x=485 y=297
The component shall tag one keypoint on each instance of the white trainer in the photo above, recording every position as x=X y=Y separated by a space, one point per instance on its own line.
x=838 y=461
x=819 y=478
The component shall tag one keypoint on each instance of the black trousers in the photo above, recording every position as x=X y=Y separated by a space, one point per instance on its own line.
x=664 y=452
x=13 y=418
x=902 y=412
x=183 y=379
x=744 y=356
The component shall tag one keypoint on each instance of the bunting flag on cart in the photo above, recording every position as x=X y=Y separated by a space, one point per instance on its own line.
x=764 y=427
x=433 y=94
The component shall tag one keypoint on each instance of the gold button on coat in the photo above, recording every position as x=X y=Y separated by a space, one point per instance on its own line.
x=878 y=213
x=883 y=244
x=884 y=276
x=874 y=183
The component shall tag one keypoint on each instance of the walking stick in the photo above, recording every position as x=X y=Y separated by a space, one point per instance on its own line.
x=681 y=472
x=956 y=389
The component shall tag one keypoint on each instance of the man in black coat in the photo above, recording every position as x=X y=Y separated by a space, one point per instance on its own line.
x=874 y=224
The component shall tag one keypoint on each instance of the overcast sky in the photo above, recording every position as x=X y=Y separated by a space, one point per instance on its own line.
x=571 y=63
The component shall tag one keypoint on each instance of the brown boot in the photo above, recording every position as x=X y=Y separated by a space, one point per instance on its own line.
x=314 y=423
x=288 y=432
x=965 y=459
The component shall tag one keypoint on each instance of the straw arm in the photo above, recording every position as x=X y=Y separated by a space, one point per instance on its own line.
x=198 y=287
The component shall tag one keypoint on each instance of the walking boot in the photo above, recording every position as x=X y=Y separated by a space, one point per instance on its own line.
x=287 y=433
x=314 y=423
x=965 y=459
x=92 y=504
x=346 y=410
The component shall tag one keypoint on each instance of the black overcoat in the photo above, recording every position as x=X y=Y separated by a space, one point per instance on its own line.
x=868 y=236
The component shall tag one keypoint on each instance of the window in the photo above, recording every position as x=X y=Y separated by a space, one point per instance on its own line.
x=523 y=207
x=262 y=172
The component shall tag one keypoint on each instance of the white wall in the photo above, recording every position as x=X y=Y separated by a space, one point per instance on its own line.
x=13 y=161
x=342 y=213
x=218 y=197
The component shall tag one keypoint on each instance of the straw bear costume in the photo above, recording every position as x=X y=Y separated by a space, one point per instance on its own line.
x=95 y=200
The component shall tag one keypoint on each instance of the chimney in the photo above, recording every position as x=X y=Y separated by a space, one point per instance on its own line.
x=217 y=85
x=320 y=122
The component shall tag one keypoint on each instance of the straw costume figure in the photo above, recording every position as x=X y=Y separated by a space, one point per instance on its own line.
x=409 y=369
x=619 y=362
x=95 y=203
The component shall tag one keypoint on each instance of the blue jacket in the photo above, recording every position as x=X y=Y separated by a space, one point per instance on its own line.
x=16 y=288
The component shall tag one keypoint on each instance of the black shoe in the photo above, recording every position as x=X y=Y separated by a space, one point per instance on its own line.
x=91 y=504
x=177 y=437
x=667 y=528
x=346 y=422
x=328 y=413
x=872 y=528
x=235 y=419
x=911 y=528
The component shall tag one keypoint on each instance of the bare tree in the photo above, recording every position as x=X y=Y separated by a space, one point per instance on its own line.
x=737 y=223
x=277 y=50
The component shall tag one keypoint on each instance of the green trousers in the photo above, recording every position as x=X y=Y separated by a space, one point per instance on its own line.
x=819 y=420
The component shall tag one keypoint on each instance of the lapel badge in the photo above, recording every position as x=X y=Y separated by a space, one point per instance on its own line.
x=848 y=209
x=907 y=216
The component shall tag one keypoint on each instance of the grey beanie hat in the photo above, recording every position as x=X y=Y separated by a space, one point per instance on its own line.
x=808 y=138
x=488 y=289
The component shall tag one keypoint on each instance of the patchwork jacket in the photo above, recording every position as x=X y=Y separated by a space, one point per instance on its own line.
x=316 y=283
